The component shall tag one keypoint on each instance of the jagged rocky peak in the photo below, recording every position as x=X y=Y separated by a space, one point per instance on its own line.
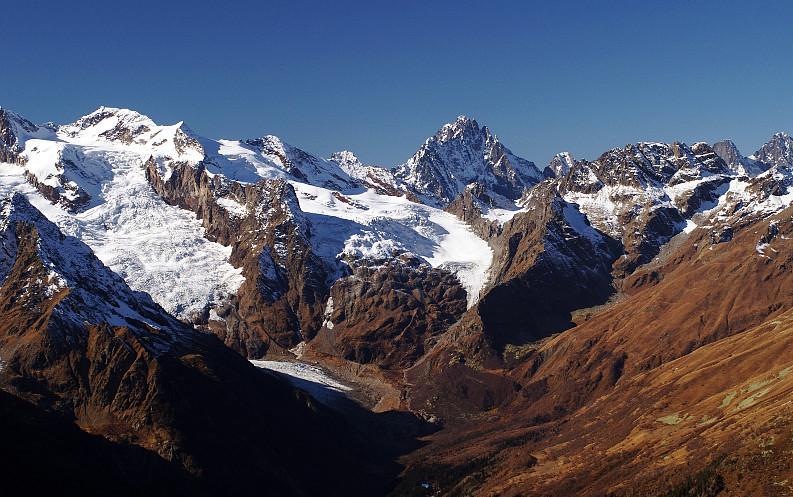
x=560 y=165
x=729 y=152
x=736 y=161
x=777 y=152
x=461 y=153
x=654 y=164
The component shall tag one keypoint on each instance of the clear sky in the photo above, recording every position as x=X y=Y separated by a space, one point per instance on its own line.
x=378 y=78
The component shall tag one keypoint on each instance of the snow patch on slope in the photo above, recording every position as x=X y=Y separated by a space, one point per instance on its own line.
x=368 y=225
x=313 y=379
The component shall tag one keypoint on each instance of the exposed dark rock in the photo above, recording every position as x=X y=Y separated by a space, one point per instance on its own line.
x=388 y=314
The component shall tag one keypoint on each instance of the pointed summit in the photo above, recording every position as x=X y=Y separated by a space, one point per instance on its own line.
x=130 y=127
x=560 y=165
x=459 y=154
x=727 y=150
x=777 y=152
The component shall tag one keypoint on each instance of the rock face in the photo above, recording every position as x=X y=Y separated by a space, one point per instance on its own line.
x=642 y=194
x=389 y=314
x=777 y=152
x=462 y=153
x=737 y=162
x=13 y=129
x=283 y=297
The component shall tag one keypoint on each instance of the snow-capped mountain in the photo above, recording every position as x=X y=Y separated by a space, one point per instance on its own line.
x=94 y=179
x=88 y=178
x=642 y=194
x=462 y=153
x=465 y=284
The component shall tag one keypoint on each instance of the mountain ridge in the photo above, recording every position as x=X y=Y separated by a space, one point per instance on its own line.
x=466 y=286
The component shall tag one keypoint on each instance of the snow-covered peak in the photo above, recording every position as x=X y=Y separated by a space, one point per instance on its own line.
x=346 y=160
x=461 y=127
x=106 y=118
x=561 y=164
x=462 y=153
x=136 y=131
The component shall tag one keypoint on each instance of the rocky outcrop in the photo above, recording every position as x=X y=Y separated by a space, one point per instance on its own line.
x=388 y=314
x=283 y=297
x=468 y=207
x=10 y=143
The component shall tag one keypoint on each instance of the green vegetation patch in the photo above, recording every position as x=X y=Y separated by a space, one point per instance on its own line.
x=727 y=399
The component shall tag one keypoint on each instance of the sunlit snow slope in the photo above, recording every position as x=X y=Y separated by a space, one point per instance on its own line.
x=95 y=167
x=155 y=247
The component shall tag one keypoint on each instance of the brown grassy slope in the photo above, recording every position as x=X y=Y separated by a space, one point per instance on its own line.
x=631 y=400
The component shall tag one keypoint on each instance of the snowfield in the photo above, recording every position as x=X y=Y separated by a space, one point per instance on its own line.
x=367 y=225
x=155 y=247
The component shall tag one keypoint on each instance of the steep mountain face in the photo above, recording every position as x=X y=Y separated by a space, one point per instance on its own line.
x=777 y=152
x=282 y=298
x=548 y=262
x=462 y=153
x=738 y=163
x=644 y=194
x=388 y=314
x=13 y=129
x=560 y=165
x=76 y=340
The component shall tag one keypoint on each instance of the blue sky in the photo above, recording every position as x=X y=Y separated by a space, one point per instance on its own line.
x=378 y=78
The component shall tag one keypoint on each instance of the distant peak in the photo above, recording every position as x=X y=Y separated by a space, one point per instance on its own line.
x=344 y=156
x=123 y=115
x=561 y=164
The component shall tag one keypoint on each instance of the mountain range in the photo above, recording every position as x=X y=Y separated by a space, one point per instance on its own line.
x=614 y=326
